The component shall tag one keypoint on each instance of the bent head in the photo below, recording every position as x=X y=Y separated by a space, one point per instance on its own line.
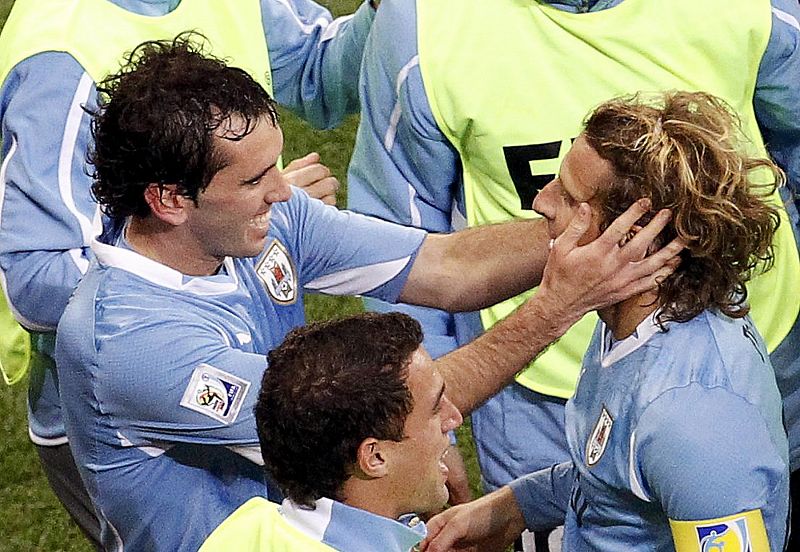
x=685 y=152
x=181 y=135
x=357 y=399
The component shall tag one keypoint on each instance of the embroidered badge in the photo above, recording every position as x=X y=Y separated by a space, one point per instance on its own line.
x=599 y=438
x=215 y=393
x=277 y=272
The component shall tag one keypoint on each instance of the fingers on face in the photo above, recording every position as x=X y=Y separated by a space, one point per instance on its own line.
x=576 y=229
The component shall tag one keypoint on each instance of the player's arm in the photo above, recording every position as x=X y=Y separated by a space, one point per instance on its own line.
x=315 y=60
x=777 y=96
x=403 y=169
x=536 y=501
x=726 y=483
x=47 y=209
x=183 y=381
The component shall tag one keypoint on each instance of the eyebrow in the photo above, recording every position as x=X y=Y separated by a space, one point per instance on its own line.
x=439 y=397
x=259 y=175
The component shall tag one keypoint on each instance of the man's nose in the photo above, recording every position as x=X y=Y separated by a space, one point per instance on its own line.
x=540 y=200
x=452 y=418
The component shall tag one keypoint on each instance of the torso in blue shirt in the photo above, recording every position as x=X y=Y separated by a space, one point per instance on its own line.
x=683 y=425
x=159 y=371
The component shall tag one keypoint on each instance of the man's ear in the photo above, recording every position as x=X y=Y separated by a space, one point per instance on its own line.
x=372 y=457
x=166 y=203
x=635 y=229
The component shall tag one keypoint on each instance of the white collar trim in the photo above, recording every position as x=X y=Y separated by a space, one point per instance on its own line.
x=611 y=352
x=162 y=275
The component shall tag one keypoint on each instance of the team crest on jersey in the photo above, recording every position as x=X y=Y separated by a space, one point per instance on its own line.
x=599 y=438
x=215 y=393
x=728 y=536
x=276 y=270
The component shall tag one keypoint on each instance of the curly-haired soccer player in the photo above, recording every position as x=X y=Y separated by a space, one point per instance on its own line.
x=675 y=430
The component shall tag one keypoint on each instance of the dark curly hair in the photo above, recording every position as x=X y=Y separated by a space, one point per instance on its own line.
x=686 y=152
x=157 y=118
x=328 y=387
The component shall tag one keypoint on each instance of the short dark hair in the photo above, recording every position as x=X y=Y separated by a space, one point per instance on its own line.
x=686 y=152
x=157 y=118
x=328 y=387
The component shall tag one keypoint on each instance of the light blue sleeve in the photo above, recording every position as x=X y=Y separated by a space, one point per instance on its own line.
x=46 y=205
x=777 y=95
x=543 y=496
x=346 y=253
x=149 y=405
x=315 y=60
x=712 y=460
x=403 y=168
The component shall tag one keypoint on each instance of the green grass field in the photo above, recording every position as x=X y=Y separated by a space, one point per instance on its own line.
x=32 y=518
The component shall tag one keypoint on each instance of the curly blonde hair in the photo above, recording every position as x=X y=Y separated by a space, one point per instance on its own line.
x=686 y=152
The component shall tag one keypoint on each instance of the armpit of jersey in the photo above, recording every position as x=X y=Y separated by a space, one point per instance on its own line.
x=744 y=532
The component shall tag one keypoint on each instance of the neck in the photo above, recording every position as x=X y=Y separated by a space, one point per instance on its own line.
x=370 y=495
x=170 y=246
x=624 y=317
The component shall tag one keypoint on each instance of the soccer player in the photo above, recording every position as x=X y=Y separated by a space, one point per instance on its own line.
x=675 y=430
x=52 y=54
x=201 y=269
x=353 y=419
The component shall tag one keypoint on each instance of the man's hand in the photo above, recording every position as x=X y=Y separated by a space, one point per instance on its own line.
x=314 y=177
x=490 y=523
x=609 y=269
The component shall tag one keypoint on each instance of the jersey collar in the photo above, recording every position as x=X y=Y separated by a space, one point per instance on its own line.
x=111 y=250
x=352 y=529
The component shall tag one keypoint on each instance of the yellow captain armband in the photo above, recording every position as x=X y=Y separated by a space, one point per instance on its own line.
x=743 y=532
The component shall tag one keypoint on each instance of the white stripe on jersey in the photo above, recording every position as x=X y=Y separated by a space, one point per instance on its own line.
x=787 y=18
x=356 y=281
x=65 y=159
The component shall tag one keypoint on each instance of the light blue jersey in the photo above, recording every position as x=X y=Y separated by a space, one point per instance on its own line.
x=159 y=372
x=46 y=207
x=667 y=428
x=405 y=170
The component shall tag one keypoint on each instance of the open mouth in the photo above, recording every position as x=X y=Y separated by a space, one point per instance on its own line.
x=260 y=222
x=442 y=466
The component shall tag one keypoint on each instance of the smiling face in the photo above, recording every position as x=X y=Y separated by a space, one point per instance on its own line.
x=231 y=217
x=416 y=466
x=583 y=174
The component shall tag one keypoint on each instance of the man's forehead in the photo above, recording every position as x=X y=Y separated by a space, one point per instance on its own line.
x=424 y=380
